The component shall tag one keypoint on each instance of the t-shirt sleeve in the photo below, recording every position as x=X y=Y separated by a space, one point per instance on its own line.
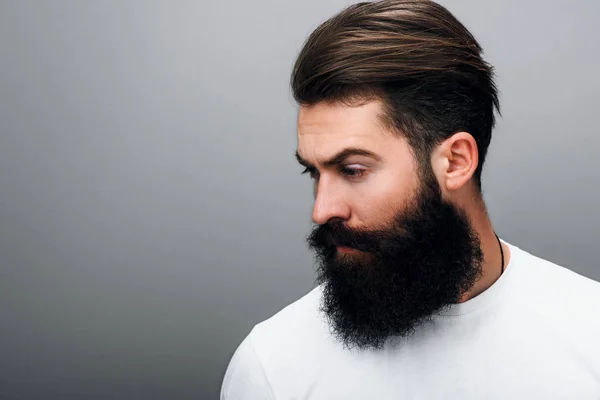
x=245 y=377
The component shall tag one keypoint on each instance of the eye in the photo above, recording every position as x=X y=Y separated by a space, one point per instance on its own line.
x=311 y=171
x=353 y=172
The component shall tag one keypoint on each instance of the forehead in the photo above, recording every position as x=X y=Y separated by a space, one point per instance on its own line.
x=340 y=119
x=325 y=128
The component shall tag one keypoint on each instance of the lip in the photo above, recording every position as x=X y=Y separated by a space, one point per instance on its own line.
x=345 y=249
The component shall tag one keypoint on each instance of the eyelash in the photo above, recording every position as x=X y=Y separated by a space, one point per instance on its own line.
x=349 y=172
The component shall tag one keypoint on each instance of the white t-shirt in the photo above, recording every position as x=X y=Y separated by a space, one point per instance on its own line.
x=533 y=334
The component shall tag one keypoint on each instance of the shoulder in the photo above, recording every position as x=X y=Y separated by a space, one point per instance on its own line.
x=548 y=277
x=554 y=290
x=279 y=351
x=299 y=323
x=245 y=377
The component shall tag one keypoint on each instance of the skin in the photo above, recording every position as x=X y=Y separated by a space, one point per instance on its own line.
x=366 y=191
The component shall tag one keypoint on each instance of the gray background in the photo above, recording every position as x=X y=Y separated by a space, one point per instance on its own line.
x=151 y=210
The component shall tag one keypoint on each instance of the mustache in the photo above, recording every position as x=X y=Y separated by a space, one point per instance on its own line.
x=334 y=234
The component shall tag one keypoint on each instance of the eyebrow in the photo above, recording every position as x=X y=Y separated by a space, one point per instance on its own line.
x=340 y=157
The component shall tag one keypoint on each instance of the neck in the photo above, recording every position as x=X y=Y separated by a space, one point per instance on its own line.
x=492 y=257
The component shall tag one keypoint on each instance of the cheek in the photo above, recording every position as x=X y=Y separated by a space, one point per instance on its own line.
x=380 y=199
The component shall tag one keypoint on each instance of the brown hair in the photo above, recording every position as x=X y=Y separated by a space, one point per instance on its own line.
x=417 y=58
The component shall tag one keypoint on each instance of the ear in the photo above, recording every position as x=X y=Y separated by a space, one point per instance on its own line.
x=455 y=160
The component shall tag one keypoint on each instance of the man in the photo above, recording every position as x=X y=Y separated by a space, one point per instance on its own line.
x=417 y=297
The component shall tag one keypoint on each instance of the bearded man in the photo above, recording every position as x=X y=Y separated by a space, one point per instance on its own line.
x=417 y=297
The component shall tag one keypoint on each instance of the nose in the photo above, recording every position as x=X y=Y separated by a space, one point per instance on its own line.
x=329 y=203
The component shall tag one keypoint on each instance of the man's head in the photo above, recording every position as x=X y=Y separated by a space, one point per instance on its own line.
x=414 y=56
x=396 y=113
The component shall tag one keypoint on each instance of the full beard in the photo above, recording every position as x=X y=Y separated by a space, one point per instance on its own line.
x=396 y=278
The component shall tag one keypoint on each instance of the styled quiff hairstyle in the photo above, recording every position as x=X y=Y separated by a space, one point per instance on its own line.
x=415 y=57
